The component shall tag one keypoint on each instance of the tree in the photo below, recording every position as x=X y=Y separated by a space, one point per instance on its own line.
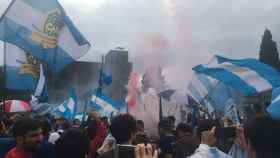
x=268 y=51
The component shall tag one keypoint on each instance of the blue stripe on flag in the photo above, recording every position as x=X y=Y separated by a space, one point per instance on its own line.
x=18 y=35
x=219 y=96
x=274 y=110
x=265 y=71
x=228 y=78
x=275 y=93
x=17 y=81
x=107 y=99
x=196 y=95
x=95 y=106
x=49 y=5
x=205 y=81
x=42 y=5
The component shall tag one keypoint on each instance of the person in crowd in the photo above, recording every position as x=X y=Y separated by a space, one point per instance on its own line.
x=225 y=143
x=123 y=129
x=108 y=144
x=47 y=149
x=28 y=137
x=61 y=125
x=105 y=121
x=167 y=138
x=77 y=123
x=186 y=143
x=142 y=151
x=3 y=129
x=97 y=132
x=208 y=142
x=260 y=137
x=73 y=143
x=141 y=136
x=172 y=120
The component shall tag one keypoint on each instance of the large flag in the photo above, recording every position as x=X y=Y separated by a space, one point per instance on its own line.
x=68 y=108
x=247 y=76
x=103 y=104
x=22 y=70
x=42 y=28
x=274 y=108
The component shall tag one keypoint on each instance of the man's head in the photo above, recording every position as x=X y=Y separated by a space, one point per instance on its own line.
x=206 y=125
x=140 y=126
x=172 y=119
x=123 y=128
x=165 y=127
x=183 y=129
x=76 y=122
x=28 y=134
x=45 y=126
x=72 y=144
x=262 y=134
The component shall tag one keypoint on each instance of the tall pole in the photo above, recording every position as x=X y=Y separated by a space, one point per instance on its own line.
x=4 y=78
x=160 y=109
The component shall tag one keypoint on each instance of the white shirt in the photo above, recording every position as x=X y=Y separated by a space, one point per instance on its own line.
x=204 y=151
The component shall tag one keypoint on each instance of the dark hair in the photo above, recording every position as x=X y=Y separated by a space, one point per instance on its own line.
x=104 y=119
x=46 y=127
x=206 y=124
x=166 y=124
x=24 y=125
x=263 y=134
x=122 y=127
x=72 y=144
x=172 y=118
x=184 y=128
x=140 y=122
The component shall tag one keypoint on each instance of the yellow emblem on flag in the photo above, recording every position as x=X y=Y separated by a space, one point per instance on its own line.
x=31 y=67
x=51 y=27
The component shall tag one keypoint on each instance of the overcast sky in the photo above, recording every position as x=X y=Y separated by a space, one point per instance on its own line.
x=176 y=34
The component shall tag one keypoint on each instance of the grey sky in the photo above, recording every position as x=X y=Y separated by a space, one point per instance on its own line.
x=177 y=34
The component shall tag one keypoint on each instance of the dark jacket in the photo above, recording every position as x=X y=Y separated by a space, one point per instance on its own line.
x=185 y=146
x=5 y=145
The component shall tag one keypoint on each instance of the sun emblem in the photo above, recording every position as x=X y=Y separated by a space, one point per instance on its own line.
x=47 y=35
x=32 y=66
x=53 y=24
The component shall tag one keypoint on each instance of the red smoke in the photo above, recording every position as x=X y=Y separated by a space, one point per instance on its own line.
x=133 y=90
x=158 y=41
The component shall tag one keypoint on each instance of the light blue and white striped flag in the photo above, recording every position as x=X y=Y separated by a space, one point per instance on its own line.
x=247 y=76
x=103 y=104
x=209 y=92
x=21 y=69
x=42 y=28
x=68 y=108
x=274 y=108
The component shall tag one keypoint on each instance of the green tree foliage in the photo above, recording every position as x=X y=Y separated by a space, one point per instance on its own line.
x=268 y=51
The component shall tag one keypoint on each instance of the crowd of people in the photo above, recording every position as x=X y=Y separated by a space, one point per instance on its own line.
x=125 y=137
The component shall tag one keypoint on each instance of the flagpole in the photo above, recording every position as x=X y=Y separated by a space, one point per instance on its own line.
x=4 y=78
x=8 y=8
x=160 y=109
